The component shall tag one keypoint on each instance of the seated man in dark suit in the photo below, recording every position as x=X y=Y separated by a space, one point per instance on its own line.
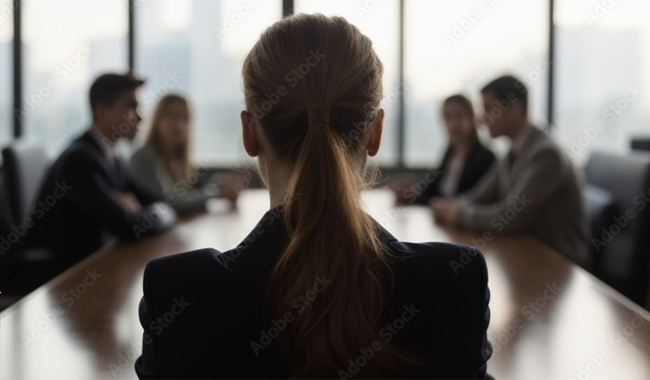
x=88 y=194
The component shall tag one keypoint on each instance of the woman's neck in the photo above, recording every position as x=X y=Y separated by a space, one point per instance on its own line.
x=276 y=177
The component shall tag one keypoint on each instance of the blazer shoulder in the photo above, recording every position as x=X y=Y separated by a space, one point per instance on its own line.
x=543 y=143
x=545 y=150
x=181 y=262
x=145 y=155
x=80 y=152
x=181 y=274
x=451 y=262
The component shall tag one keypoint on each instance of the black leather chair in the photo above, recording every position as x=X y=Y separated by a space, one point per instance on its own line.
x=640 y=143
x=25 y=164
x=24 y=167
x=602 y=207
x=621 y=243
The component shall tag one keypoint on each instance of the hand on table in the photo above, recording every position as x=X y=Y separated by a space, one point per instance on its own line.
x=445 y=210
x=403 y=190
x=128 y=201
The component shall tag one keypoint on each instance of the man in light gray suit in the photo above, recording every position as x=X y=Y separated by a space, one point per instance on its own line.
x=534 y=190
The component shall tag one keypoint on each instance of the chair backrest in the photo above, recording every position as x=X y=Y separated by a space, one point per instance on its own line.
x=640 y=144
x=602 y=207
x=25 y=164
x=627 y=179
x=624 y=176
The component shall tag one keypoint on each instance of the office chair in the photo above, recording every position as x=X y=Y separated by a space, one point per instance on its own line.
x=640 y=144
x=623 y=258
x=602 y=207
x=24 y=166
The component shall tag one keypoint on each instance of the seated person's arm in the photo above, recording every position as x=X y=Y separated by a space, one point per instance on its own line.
x=532 y=190
x=432 y=182
x=486 y=190
x=415 y=191
x=93 y=195
x=144 y=185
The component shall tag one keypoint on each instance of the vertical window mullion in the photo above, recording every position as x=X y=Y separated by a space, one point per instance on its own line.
x=17 y=70
x=551 y=65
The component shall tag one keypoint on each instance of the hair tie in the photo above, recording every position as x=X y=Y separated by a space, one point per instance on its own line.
x=318 y=113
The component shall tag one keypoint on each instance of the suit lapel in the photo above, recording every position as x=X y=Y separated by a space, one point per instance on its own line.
x=113 y=172
x=510 y=176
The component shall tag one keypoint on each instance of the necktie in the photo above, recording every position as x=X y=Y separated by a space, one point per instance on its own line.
x=117 y=169
x=511 y=161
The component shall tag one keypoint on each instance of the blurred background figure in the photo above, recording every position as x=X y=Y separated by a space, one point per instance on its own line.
x=96 y=198
x=535 y=190
x=464 y=163
x=162 y=165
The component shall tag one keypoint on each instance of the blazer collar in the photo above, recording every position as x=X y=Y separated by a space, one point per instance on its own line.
x=89 y=138
x=271 y=228
x=523 y=140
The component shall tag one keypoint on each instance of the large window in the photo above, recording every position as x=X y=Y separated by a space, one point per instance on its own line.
x=6 y=65
x=196 y=48
x=379 y=20
x=457 y=47
x=603 y=72
x=66 y=45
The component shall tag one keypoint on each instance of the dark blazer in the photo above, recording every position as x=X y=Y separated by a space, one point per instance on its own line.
x=77 y=209
x=203 y=315
x=478 y=162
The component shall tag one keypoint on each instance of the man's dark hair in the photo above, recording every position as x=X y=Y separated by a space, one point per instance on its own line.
x=509 y=89
x=108 y=87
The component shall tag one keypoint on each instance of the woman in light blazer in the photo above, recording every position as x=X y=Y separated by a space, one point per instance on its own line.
x=162 y=164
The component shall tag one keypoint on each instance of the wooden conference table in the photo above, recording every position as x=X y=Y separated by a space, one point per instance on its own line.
x=550 y=318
